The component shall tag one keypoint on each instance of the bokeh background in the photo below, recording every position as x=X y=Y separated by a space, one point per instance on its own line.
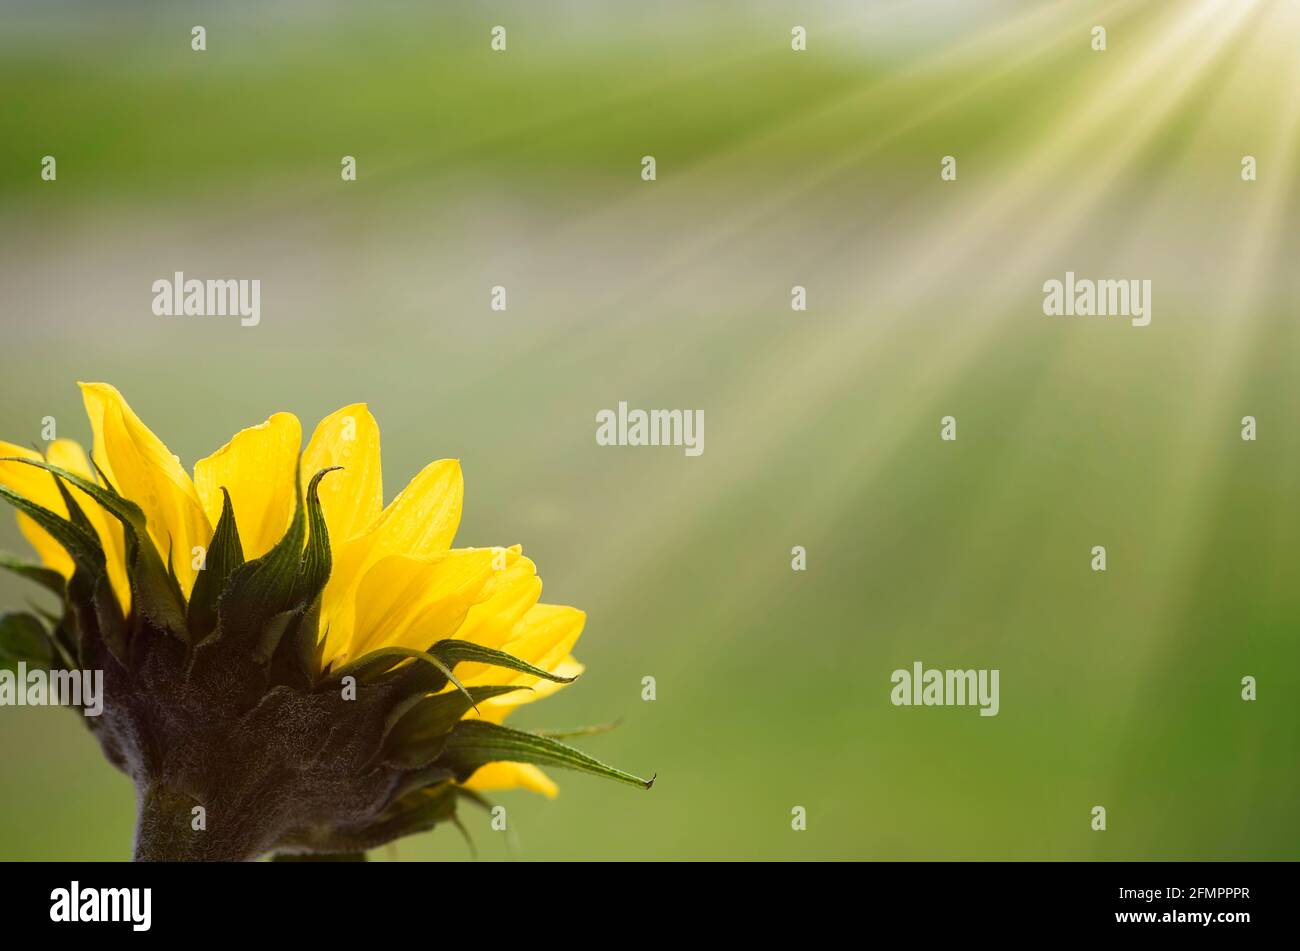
x=775 y=168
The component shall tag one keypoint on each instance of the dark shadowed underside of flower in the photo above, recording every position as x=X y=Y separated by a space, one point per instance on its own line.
x=290 y=667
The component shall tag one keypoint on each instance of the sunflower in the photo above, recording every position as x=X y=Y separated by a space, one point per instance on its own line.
x=290 y=667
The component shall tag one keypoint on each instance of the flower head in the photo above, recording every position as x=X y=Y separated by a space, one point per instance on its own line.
x=310 y=670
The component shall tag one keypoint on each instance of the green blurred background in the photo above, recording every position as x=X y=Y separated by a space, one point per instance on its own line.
x=775 y=168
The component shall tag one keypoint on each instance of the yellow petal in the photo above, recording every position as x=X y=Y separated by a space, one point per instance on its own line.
x=67 y=454
x=143 y=470
x=418 y=524
x=352 y=498
x=498 y=776
x=258 y=468
x=37 y=486
x=546 y=634
x=408 y=602
x=512 y=589
x=422 y=520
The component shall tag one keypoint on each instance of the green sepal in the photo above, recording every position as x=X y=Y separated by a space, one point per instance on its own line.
x=225 y=554
x=305 y=643
x=476 y=797
x=594 y=730
x=380 y=664
x=316 y=558
x=88 y=588
x=47 y=578
x=475 y=743
x=80 y=545
x=422 y=779
x=260 y=589
x=297 y=661
x=417 y=811
x=49 y=617
x=64 y=639
x=24 y=638
x=264 y=597
x=75 y=514
x=453 y=652
x=417 y=727
x=155 y=592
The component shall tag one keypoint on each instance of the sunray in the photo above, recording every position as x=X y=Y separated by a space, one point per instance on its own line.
x=823 y=365
x=1031 y=34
